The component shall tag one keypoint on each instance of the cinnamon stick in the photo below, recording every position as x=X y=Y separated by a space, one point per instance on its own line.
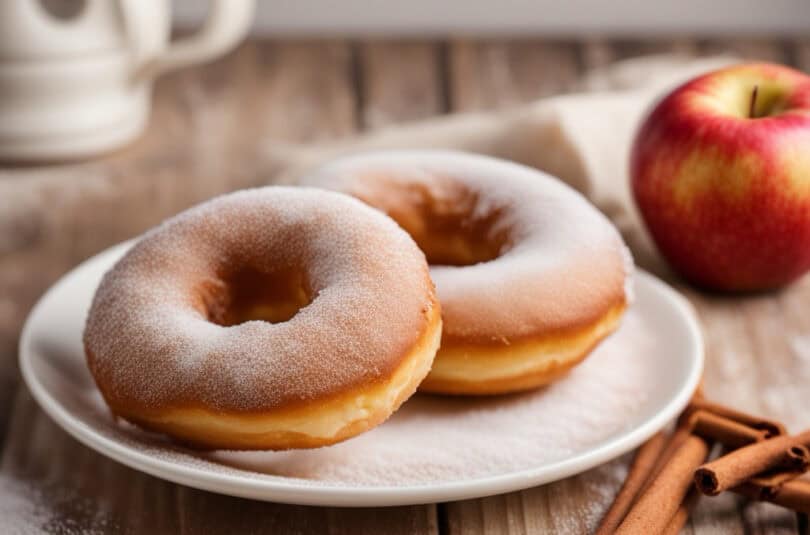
x=639 y=472
x=676 y=440
x=793 y=495
x=772 y=427
x=726 y=431
x=733 y=469
x=678 y=520
x=775 y=479
x=656 y=507
x=682 y=431
x=766 y=487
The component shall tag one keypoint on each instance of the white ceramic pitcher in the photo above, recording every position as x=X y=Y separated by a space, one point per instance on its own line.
x=76 y=75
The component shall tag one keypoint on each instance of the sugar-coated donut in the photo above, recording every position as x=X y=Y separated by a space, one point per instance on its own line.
x=530 y=276
x=271 y=318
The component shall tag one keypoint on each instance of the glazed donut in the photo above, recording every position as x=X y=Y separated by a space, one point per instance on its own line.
x=271 y=318
x=530 y=276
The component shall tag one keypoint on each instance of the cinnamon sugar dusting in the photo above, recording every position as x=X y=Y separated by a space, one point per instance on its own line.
x=153 y=336
x=436 y=439
x=559 y=265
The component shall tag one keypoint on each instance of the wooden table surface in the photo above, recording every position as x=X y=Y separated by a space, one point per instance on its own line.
x=206 y=137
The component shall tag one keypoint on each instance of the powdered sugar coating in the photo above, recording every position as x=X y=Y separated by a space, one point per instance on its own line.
x=440 y=439
x=490 y=435
x=628 y=380
x=150 y=344
x=562 y=264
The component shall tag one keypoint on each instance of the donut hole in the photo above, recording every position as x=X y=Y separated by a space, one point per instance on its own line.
x=448 y=221
x=457 y=239
x=250 y=295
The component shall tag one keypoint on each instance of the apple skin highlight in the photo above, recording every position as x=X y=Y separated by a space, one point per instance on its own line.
x=726 y=197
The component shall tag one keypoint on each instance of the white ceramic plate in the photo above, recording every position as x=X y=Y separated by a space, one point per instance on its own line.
x=642 y=399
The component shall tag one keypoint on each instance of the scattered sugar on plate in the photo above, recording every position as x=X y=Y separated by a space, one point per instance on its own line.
x=434 y=439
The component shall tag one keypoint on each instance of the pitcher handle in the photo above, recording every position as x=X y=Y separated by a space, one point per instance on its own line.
x=225 y=25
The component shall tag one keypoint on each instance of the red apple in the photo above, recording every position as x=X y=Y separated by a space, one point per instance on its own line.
x=720 y=171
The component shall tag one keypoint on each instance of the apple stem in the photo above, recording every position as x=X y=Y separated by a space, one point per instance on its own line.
x=752 y=106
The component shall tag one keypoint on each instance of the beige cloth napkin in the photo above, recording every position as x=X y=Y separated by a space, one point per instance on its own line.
x=582 y=138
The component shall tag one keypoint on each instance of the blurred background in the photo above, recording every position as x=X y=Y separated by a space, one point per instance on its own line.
x=316 y=71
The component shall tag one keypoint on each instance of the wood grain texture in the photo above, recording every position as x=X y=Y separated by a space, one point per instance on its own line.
x=751 y=361
x=498 y=74
x=738 y=331
x=491 y=74
x=399 y=81
x=63 y=487
x=598 y=52
x=750 y=49
x=571 y=506
x=210 y=128
x=203 y=140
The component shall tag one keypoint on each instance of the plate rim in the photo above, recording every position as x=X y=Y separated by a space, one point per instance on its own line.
x=370 y=496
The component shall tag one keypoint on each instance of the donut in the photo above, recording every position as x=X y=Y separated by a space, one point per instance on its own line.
x=271 y=318
x=531 y=277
